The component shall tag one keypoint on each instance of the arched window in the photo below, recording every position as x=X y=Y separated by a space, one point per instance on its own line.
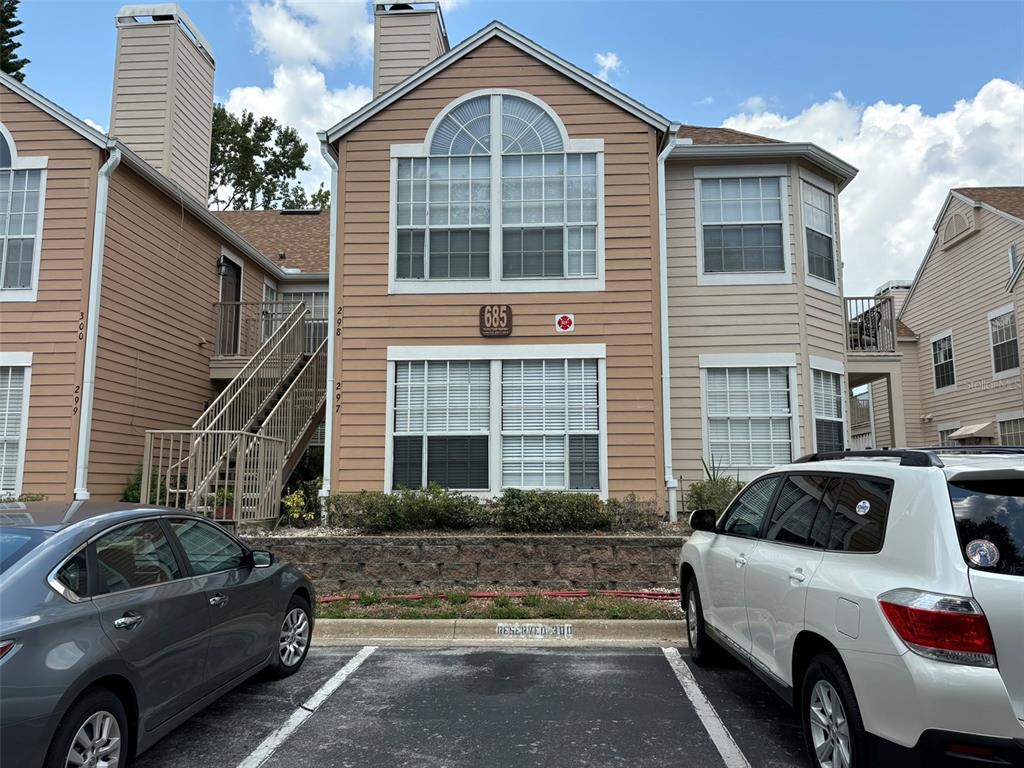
x=445 y=227
x=956 y=225
x=21 y=198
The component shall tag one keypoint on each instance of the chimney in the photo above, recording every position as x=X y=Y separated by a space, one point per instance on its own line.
x=898 y=289
x=406 y=37
x=163 y=93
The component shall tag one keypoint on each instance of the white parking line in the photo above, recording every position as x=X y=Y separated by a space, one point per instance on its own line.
x=732 y=755
x=262 y=753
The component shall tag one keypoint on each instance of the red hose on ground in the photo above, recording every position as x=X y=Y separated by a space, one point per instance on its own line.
x=564 y=595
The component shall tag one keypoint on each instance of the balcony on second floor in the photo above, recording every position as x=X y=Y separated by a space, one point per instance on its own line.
x=243 y=326
x=870 y=325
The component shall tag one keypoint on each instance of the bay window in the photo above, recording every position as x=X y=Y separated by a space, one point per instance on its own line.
x=819 y=232
x=741 y=224
x=829 y=434
x=543 y=230
x=749 y=416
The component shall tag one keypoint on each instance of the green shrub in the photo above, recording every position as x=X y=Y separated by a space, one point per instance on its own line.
x=551 y=511
x=714 y=492
x=133 y=489
x=458 y=598
x=432 y=508
x=24 y=498
x=633 y=513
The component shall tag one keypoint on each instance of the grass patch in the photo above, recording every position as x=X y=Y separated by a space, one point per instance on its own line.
x=459 y=605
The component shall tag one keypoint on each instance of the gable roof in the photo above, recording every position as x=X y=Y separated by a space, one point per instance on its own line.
x=1006 y=199
x=302 y=236
x=496 y=30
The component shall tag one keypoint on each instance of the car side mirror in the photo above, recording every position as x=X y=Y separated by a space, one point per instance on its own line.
x=703 y=519
x=262 y=558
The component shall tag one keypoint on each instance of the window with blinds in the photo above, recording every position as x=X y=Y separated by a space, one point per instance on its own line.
x=12 y=404
x=749 y=416
x=442 y=421
x=820 y=230
x=828 y=411
x=550 y=424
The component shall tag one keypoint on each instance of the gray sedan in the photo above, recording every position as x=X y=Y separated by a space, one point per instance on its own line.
x=117 y=623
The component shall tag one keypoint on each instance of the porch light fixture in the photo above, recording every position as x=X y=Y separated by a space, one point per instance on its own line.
x=222 y=265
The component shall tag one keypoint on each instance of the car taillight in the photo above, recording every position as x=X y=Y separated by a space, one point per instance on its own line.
x=940 y=627
x=5 y=647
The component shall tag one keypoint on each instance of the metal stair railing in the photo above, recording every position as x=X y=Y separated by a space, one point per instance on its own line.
x=292 y=416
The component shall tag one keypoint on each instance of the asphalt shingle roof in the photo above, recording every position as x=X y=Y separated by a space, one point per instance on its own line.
x=302 y=236
x=1007 y=199
x=704 y=135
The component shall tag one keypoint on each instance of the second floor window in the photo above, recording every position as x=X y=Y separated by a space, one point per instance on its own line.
x=942 y=362
x=819 y=226
x=22 y=185
x=741 y=224
x=1005 y=354
x=498 y=194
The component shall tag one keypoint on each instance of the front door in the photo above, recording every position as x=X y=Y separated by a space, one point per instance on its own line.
x=244 y=621
x=780 y=570
x=735 y=542
x=231 y=306
x=154 y=616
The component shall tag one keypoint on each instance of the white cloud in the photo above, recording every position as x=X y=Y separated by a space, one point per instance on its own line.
x=908 y=161
x=447 y=6
x=608 y=62
x=706 y=100
x=754 y=104
x=300 y=98
x=94 y=124
x=299 y=32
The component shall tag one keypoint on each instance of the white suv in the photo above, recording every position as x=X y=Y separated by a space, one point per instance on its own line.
x=881 y=593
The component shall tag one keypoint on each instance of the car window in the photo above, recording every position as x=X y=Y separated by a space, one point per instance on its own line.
x=796 y=508
x=15 y=543
x=990 y=523
x=72 y=574
x=862 y=509
x=823 y=520
x=748 y=510
x=208 y=548
x=135 y=555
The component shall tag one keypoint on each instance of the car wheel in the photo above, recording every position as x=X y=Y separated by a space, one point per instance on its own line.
x=93 y=733
x=833 y=729
x=702 y=647
x=293 y=639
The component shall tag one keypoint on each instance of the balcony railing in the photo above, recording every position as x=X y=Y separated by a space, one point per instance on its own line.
x=860 y=414
x=242 y=327
x=870 y=324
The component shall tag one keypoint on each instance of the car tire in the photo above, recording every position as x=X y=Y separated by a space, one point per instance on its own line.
x=833 y=729
x=293 y=639
x=98 y=713
x=703 y=649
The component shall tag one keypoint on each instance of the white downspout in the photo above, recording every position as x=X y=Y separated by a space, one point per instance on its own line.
x=671 y=484
x=332 y=261
x=92 y=323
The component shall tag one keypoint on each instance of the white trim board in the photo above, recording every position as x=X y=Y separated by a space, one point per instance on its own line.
x=498 y=352
x=827 y=364
x=748 y=360
x=20 y=360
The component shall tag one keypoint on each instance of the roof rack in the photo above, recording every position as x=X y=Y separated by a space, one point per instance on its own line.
x=1004 y=449
x=907 y=457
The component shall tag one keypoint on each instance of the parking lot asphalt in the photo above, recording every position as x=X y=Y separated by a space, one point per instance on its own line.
x=460 y=707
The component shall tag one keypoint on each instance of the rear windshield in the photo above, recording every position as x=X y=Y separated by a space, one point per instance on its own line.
x=15 y=543
x=990 y=523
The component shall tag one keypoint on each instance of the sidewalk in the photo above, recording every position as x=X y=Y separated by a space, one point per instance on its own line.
x=515 y=633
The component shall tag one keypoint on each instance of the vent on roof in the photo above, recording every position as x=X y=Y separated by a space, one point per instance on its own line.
x=301 y=212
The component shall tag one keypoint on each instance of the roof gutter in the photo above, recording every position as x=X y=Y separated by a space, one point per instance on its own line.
x=92 y=324
x=671 y=484
x=331 y=156
x=842 y=170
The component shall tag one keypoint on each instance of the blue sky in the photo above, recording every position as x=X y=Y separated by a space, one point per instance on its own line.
x=864 y=79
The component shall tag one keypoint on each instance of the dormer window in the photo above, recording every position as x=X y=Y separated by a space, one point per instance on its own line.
x=449 y=232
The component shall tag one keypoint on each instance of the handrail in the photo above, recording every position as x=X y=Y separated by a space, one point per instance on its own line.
x=295 y=410
x=870 y=324
x=243 y=326
x=286 y=340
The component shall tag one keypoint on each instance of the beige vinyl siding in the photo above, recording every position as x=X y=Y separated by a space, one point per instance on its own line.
x=956 y=290
x=49 y=326
x=624 y=316
x=404 y=42
x=743 y=319
x=160 y=284
x=192 y=117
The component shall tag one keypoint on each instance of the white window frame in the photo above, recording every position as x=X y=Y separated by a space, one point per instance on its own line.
x=785 y=277
x=946 y=426
x=19 y=163
x=767 y=360
x=496 y=355
x=931 y=361
x=829 y=365
x=240 y=263
x=495 y=283
x=995 y=313
x=1014 y=257
x=20 y=360
x=1007 y=416
x=829 y=188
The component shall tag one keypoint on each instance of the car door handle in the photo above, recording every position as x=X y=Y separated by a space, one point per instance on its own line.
x=218 y=600
x=741 y=560
x=797 y=575
x=129 y=621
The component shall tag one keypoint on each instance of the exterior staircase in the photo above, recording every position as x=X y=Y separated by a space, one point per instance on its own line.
x=232 y=464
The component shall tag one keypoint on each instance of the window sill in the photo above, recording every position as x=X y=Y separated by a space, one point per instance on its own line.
x=17 y=295
x=821 y=284
x=1007 y=374
x=945 y=391
x=744 y=278
x=497 y=285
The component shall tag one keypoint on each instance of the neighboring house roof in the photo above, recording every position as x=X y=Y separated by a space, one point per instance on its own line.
x=169 y=187
x=302 y=237
x=1006 y=199
x=700 y=134
x=904 y=331
x=496 y=30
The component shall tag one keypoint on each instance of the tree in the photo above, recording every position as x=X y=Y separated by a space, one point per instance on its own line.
x=9 y=30
x=253 y=164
